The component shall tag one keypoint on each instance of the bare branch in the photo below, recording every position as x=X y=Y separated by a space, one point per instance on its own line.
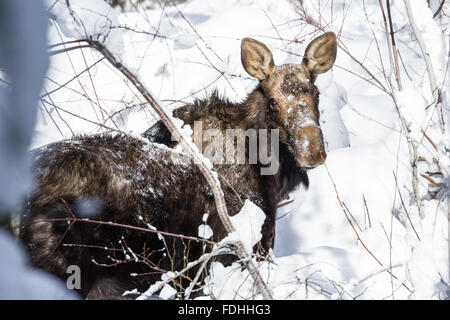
x=430 y=70
x=394 y=47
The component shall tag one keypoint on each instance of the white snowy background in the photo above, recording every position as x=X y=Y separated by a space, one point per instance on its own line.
x=356 y=233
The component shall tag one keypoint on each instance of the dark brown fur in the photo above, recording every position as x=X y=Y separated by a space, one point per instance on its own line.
x=137 y=184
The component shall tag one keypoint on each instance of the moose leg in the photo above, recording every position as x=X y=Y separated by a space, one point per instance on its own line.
x=268 y=234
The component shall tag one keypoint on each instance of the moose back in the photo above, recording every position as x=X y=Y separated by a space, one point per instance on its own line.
x=127 y=182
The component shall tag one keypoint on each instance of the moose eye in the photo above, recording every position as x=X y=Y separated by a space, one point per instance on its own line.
x=273 y=105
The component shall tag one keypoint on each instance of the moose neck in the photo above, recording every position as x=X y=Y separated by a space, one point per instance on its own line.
x=253 y=111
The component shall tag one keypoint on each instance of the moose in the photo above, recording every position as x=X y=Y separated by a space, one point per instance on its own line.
x=128 y=182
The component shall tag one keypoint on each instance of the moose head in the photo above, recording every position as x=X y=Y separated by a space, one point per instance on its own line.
x=291 y=97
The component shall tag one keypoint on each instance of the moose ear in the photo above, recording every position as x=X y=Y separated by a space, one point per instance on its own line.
x=320 y=54
x=256 y=58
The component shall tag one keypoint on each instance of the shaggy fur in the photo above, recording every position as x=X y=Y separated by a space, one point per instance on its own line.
x=136 y=184
x=127 y=181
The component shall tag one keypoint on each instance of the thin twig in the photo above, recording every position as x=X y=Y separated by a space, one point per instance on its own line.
x=356 y=232
x=367 y=210
x=441 y=5
x=73 y=78
x=55 y=52
x=74 y=219
x=348 y=219
x=404 y=206
x=412 y=145
x=394 y=47
x=310 y=20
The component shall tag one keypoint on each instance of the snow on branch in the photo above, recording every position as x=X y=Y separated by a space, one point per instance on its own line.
x=428 y=34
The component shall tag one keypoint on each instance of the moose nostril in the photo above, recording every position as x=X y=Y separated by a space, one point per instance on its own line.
x=312 y=165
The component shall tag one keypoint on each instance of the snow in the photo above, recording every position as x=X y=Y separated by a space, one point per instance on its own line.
x=205 y=231
x=167 y=292
x=432 y=34
x=332 y=99
x=412 y=104
x=317 y=254
x=247 y=224
x=89 y=19
x=222 y=280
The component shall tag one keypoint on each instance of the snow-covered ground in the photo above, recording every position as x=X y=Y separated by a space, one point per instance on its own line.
x=356 y=233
